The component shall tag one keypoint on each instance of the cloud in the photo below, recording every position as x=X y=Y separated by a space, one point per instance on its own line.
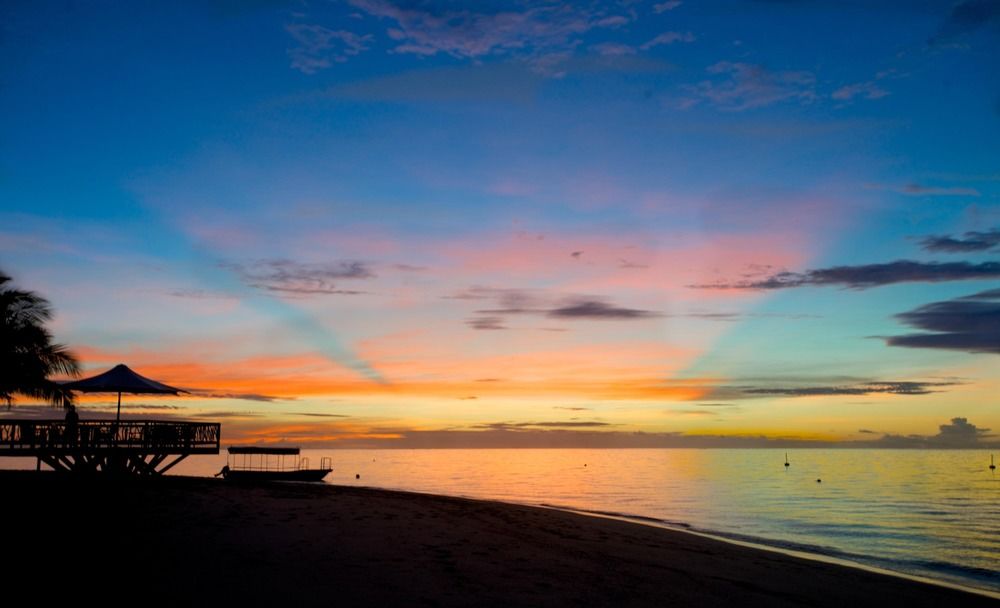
x=865 y=90
x=488 y=323
x=210 y=394
x=970 y=241
x=287 y=276
x=519 y=426
x=596 y=309
x=970 y=324
x=522 y=302
x=966 y=17
x=668 y=38
x=545 y=33
x=870 y=275
x=613 y=21
x=915 y=189
x=866 y=388
x=743 y=86
x=626 y=264
x=199 y=294
x=318 y=46
x=818 y=387
x=612 y=49
x=666 y=6
x=959 y=433
x=920 y=190
x=524 y=435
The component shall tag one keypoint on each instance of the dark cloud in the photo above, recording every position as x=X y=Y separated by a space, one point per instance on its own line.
x=959 y=433
x=966 y=17
x=792 y=388
x=870 y=275
x=526 y=302
x=970 y=241
x=409 y=268
x=596 y=309
x=519 y=426
x=970 y=324
x=739 y=316
x=867 y=432
x=487 y=323
x=867 y=388
x=915 y=189
x=226 y=414
x=572 y=409
x=317 y=415
x=210 y=394
x=287 y=276
x=112 y=405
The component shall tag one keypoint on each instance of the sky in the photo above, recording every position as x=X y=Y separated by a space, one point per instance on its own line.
x=436 y=224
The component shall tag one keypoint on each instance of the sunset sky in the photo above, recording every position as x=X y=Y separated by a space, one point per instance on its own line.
x=516 y=223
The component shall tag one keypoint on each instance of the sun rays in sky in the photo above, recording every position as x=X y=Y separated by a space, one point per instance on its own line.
x=621 y=223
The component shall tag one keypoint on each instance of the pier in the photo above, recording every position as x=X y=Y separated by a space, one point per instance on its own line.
x=147 y=447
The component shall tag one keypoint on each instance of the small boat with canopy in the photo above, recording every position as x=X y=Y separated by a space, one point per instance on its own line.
x=265 y=463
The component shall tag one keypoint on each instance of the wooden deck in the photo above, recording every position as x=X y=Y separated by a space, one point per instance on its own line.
x=131 y=447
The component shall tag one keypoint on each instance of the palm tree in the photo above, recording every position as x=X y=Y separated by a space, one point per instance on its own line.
x=27 y=355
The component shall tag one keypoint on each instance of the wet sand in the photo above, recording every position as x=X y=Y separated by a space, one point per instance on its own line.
x=204 y=541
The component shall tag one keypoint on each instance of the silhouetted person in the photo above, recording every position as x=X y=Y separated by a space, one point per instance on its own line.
x=223 y=472
x=72 y=425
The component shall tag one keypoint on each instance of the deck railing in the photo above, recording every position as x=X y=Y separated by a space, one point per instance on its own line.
x=29 y=437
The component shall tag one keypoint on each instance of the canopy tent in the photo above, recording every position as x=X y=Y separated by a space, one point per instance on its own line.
x=120 y=379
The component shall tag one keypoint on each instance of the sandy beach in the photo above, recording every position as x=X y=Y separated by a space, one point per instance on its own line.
x=203 y=541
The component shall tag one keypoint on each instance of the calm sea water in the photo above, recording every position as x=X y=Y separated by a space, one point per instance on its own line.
x=933 y=513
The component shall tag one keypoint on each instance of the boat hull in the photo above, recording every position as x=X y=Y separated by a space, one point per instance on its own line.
x=296 y=475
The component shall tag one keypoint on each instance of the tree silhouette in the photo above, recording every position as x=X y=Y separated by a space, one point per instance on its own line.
x=27 y=355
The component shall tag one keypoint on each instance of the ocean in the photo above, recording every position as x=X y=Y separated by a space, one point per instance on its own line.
x=933 y=513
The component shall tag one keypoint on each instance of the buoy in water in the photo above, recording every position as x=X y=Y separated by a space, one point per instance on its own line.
x=357 y=476
x=819 y=481
x=993 y=467
x=786 y=460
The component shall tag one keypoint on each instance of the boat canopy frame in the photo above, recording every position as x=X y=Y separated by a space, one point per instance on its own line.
x=242 y=458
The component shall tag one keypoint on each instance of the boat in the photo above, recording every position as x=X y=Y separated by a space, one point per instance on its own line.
x=260 y=463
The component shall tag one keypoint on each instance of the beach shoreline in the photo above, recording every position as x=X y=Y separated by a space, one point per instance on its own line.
x=776 y=546
x=184 y=537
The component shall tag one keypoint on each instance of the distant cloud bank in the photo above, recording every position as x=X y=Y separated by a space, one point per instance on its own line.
x=869 y=275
